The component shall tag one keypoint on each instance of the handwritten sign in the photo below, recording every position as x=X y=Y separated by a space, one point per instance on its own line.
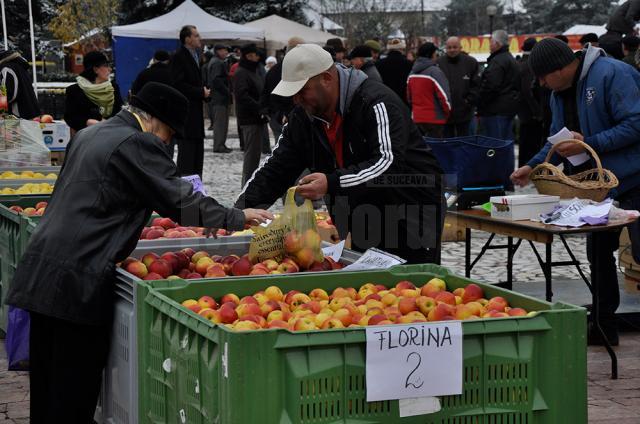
x=414 y=361
x=374 y=259
x=196 y=182
x=334 y=251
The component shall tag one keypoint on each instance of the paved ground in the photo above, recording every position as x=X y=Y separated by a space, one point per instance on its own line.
x=610 y=401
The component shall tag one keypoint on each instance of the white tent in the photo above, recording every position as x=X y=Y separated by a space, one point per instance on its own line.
x=278 y=30
x=168 y=26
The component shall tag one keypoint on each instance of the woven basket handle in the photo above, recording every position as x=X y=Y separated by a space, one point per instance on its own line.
x=594 y=155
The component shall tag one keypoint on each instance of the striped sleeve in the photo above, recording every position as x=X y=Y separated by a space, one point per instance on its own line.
x=386 y=153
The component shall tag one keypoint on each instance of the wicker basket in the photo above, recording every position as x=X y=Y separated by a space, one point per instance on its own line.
x=593 y=184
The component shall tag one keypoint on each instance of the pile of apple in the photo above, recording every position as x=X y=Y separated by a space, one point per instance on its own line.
x=37 y=210
x=166 y=228
x=372 y=304
x=188 y=264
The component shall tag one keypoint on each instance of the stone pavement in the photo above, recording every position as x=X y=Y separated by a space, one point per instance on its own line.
x=610 y=401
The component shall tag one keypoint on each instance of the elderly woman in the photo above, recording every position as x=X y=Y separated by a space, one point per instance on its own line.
x=94 y=97
x=115 y=175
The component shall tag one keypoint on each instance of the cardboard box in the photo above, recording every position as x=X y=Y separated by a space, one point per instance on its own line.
x=522 y=206
x=56 y=135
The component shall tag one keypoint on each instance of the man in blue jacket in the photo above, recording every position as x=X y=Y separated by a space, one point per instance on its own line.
x=598 y=99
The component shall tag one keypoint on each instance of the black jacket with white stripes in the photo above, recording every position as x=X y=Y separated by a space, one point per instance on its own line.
x=390 y=181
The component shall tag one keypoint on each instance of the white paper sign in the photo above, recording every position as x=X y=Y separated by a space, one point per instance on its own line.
x=374 y=259
x=334 y=251
x=418 y=406
x=412 y=361
x=565 y=134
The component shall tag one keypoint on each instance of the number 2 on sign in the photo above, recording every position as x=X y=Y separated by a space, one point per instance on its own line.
x=418 y=379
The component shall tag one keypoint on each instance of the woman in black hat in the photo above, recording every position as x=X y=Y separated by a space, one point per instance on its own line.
x=94 y=97
x=115 y=175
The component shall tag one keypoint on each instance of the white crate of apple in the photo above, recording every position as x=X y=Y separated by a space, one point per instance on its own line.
x=188 y=264
x=372 y=304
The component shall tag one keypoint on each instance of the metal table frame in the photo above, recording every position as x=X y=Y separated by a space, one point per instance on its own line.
x=541 y=233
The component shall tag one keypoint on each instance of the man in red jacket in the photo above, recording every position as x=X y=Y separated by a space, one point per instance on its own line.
x=428 y=93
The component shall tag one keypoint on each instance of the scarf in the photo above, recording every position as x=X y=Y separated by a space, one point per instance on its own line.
x=101 y=94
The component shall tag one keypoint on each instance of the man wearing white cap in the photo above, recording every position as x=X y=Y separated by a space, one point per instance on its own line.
x=366 y=157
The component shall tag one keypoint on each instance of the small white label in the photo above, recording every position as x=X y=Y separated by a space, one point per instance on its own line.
x=225 y=360
x=185 y=341
x=166 y=365
x=421 y=353
x=418 y=406
x=183 y=416
x=197 y=386
x=334 y=251
x=374 y=259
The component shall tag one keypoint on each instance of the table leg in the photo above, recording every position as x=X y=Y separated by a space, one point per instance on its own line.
x=467 y=252
x=595 y=309
x=510 y=254
x=547 y=272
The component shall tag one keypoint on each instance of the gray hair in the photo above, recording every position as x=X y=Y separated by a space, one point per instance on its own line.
x=500 y=36
x=141 y=113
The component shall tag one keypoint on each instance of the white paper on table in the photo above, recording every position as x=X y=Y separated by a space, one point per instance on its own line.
x=374 y=259
x=571 y=216
x=334 y=251
x=565 y=134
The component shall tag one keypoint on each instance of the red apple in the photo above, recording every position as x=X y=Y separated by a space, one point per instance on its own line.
x=305 y=257
x=149 y=258
x=292 y=242
x=446 y=297
x=407 y=304
x=472 y=293
x=162 y=267
x=203 y=264
x=230 y=297
x=242 y=266
x=215 y=270
x=497 y=304
x=137 y=268
x=153 y=276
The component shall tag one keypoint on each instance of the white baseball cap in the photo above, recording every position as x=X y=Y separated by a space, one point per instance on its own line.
x=303 y=62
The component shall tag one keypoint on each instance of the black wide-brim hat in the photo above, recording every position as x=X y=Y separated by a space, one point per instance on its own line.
x=165 y=103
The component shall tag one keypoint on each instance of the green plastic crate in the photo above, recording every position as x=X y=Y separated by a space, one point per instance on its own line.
x=516 y=370
x=6 y=275
x=12 y=225
x=13 y=241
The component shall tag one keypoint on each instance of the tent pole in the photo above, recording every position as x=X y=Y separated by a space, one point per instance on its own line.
x=4 y=26
x=33 y=50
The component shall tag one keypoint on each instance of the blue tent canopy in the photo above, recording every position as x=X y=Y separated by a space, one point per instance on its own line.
x=133 y=54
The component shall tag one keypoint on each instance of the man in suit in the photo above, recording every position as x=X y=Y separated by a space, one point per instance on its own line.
x=216 y=77
x=187 y=79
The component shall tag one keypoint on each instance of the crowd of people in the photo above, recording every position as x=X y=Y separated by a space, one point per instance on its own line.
x=447 y=91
